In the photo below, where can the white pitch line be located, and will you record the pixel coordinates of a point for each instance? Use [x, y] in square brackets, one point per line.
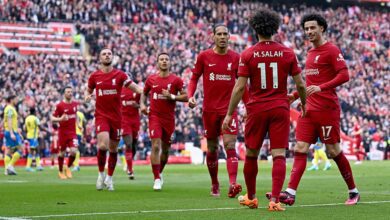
[12, 218]
[178, 210]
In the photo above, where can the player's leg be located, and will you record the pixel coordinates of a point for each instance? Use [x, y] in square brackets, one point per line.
[338, 156]
[279, 130]
[166, 139]
[7, 159]
[322, 155]
[76, 163]
[103, 139]
[306, 133]
[315, 160]
[212, 131]
[16, 146]
[121, 153]
[156, 162]
[254, 136]
[112, 159]
[73, 147]
[61, 157]
[31, 153]
[128, 149]
[229, 142]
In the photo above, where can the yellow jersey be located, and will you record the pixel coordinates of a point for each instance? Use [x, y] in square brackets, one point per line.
[79, 123]
[32, 126]
[10, 114]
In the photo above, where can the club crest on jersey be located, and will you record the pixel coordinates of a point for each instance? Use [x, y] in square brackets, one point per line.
[169, 86]
[212, 77]
[316, 59]
[229, 67]
[113, 82]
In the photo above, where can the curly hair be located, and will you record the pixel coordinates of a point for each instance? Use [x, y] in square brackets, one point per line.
[265, 22]
[314, 17]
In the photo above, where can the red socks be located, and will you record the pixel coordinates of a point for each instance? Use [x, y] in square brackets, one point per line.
[345, 170]
[156, 171]
[299, 166]
[278, 176]
[250, 174]
[70, 160]
[212, 165]
[129, 159]
[112, 159]
[101, 158]
[60, 163]
[232, 165]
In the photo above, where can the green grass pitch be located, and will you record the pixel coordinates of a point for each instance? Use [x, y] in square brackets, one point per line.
[185, 195]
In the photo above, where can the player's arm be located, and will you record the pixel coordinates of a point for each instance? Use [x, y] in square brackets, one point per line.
[196, 74]
[135, 88]
[342, 77]
[301, 90]
[144, 95]
[142, 102]
[237, 93]
[88, 94]
[55, 116]
[182, 97]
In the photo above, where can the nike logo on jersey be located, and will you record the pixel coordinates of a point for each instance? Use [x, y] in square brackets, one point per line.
[154, 86]
[122, 95]
[66, 110]
[212, 64]
[99, 83]
[325, 139]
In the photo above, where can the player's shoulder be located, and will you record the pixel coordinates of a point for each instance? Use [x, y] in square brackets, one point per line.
[248, 52]
[233, 53]
[175, 77]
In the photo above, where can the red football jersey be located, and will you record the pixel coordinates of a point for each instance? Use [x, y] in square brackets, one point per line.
[356, 127]
[108, 91]
[219, 76]
[159, 105]
[322, 65]
[128, 97]
[267, 65]
[68, 127]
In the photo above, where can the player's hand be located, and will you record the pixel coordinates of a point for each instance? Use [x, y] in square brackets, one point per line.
[303, 110]
[144, 110]
[291, 98]
[13, 137]
[64, 117]
[88, 98]
[192, 102]
[245, 115]
[226, 122]
[166, 94]
[312, 89]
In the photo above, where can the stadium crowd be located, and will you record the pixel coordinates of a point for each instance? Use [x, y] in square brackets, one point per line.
[138, 30]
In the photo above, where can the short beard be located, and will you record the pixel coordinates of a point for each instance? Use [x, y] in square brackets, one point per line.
[107, 64]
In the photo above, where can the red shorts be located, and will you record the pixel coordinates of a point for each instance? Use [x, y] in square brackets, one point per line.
[275, 122]
[130, 127]
[104, 124]
[212, 123]
[358, 143]
[161, 128]
[54, 150]
[67, 141]
[319, 124]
